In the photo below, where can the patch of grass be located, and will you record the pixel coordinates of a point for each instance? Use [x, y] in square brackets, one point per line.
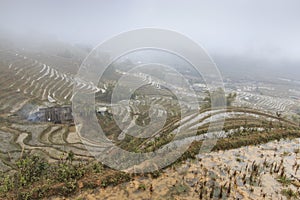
[284, 180]
[115, 178]
[289, 193]
[142, 187]
[238, 141]
[178, 189]
[35, 178]
[155, 174]
[285, 153]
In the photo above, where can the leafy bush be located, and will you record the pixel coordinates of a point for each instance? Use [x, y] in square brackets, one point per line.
[30, 169]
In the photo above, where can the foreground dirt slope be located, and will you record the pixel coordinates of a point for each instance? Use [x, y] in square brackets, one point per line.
[268, 171]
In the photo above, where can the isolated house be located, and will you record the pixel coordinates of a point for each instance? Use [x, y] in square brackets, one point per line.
[56, 114]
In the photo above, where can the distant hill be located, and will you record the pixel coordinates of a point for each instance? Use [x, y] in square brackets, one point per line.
[240, 67]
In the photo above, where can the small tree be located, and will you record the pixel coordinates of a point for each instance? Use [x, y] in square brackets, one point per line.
[70, 156]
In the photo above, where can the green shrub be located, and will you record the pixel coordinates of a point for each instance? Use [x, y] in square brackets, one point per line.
[30, 169]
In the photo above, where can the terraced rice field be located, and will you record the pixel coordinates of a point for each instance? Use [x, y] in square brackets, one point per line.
[27, 84]
[263, 102]
[26, 76]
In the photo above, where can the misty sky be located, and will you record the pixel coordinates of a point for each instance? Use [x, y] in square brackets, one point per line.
[269, 28]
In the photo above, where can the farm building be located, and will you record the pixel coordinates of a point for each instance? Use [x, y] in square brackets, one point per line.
[56, 114]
